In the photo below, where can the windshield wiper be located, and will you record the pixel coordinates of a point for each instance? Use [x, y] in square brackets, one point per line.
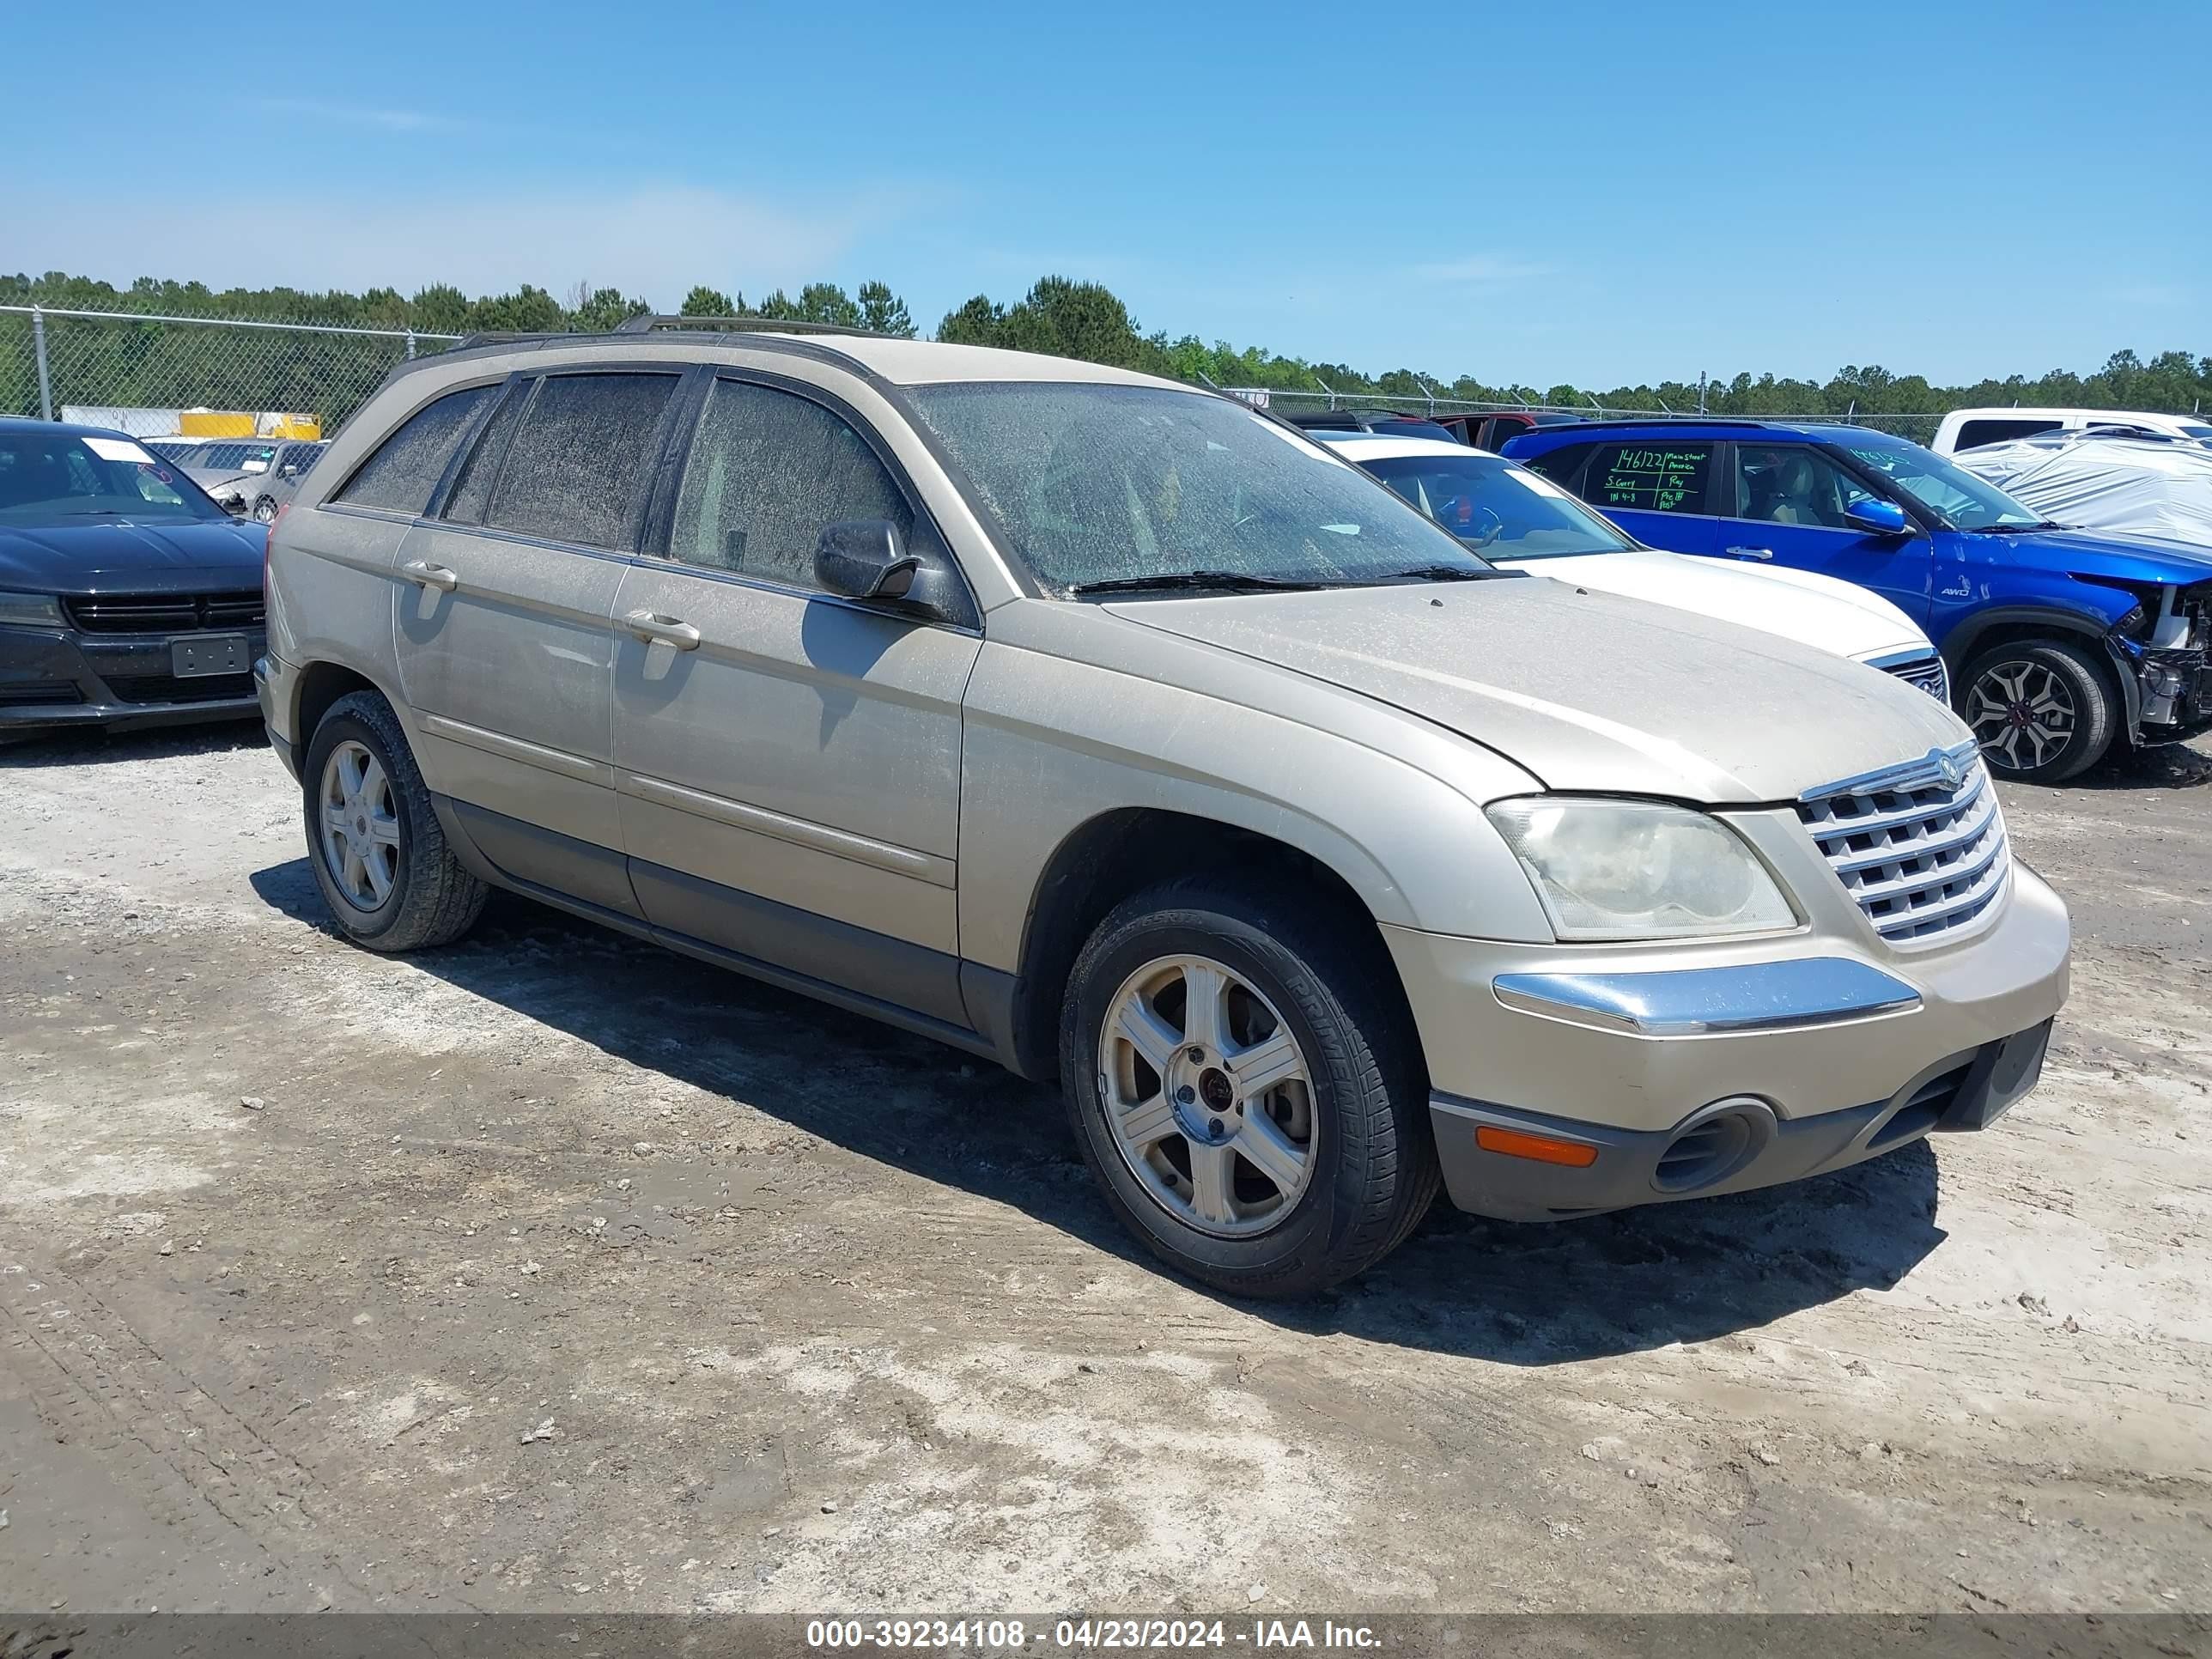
[1444, 573]
[2017, 529]
[1232, 581]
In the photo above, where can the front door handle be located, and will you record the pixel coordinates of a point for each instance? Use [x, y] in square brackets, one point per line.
[424, 574]
[1751, 552]
[663, 630]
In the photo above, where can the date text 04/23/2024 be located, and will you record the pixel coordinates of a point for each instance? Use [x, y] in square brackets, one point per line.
[1137, 1635]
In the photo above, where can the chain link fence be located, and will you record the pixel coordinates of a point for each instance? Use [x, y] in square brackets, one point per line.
[140, 371]
[1300, 402]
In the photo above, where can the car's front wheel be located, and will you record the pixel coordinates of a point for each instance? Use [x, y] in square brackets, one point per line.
[1251, 1103]
[265, 510]
[373, 835]
[2042, 710]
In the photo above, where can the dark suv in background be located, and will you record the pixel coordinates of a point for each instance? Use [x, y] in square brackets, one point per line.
[2059, 642]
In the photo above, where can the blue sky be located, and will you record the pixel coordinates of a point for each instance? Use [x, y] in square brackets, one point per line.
[1529, 193]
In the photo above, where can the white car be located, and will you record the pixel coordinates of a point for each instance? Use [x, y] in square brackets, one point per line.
[1971, 428]
[1522, 520]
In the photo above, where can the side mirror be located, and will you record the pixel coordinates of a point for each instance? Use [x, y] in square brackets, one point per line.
[1878, 519]
[869, 559]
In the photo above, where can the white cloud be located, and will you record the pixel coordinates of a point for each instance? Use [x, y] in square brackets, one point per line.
[358, 115]
[655, 242]
[1480, 268]
[2160, 295]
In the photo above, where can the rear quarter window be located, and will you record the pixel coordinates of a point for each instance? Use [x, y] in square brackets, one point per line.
[1561, 465]
[400, 472]
[1974, 434]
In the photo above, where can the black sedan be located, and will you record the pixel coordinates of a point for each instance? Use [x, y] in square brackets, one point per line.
[127, 598]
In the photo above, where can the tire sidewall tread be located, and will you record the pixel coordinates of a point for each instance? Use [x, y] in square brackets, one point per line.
[437, 899]
[1380, 1172]
[2096, 698]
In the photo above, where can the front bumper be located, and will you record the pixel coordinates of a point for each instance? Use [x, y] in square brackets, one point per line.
[57, 678]
[1684, 1072]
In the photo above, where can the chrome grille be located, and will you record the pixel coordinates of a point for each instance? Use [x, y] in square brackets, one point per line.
[1920, 846]
[1927, 674]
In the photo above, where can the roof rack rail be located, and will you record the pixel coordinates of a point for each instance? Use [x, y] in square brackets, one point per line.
[648, 323]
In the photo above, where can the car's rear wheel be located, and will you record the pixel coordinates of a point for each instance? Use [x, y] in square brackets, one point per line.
[1252, 1104]
[2042, 710]
[373, 840]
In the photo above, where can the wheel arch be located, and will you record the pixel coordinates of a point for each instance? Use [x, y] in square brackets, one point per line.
[2013, 625]
[1116, 854]
[320, 686]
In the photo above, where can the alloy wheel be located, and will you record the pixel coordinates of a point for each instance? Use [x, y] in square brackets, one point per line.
[1209, 1096]
[360, 826]
[2023, 714]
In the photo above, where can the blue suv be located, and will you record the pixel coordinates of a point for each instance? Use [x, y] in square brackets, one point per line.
[2059, 642]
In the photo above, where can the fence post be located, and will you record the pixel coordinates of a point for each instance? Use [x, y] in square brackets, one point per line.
[410, 345]
[39, 350]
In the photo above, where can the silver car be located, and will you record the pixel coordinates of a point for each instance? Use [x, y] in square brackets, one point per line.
[250, 477]
[1116, 731]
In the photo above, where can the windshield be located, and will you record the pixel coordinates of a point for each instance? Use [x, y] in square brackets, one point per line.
[1953, 494]
[1507, 511]
[46, 476]
[1115, 484]
[2202, 434]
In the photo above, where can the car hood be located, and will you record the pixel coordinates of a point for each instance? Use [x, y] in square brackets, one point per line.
[1799, 604]
[94, 555]
[2122, 558]
[1584, 689]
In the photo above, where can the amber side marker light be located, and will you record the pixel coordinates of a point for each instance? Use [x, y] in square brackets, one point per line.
[1517, 1143]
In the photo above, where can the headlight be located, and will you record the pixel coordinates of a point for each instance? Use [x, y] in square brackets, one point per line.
[30, 611]
[1632, 869]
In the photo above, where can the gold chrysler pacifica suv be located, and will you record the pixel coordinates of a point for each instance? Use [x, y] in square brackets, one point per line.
[1117, 731]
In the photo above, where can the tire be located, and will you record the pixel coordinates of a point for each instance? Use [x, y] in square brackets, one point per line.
[265, 510]
[427, 898]
[1369, 1165]
[2043, 710]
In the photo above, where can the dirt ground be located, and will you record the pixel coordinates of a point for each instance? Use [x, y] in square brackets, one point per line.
[555, 1273]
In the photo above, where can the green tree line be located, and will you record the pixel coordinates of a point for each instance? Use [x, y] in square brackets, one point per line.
[168, 365]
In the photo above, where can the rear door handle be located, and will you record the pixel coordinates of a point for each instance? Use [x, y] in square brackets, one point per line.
[664, 630]
[1751, 552]
[424, 574]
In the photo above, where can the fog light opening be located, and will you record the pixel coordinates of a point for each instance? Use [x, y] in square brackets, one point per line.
[1713, 1148]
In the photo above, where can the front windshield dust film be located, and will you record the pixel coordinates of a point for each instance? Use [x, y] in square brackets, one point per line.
[1095, 484]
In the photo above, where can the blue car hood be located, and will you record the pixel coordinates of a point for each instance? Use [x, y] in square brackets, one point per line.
[2122, 558]
[102, 555]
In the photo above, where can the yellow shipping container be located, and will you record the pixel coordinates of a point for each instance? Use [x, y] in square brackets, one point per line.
[236, 423]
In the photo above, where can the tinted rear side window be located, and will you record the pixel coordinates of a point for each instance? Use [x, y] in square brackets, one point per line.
[581, 454]
[1559, 465]
[1650, 476]
[406, 466]
[1975, 433]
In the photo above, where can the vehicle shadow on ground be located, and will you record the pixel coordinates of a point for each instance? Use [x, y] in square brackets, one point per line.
[98, 747]
[1518, 1294]
[2159, 766]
